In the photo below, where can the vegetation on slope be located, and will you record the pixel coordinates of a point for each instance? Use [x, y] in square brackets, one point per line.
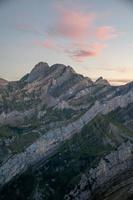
[62, 171]
[58, 175]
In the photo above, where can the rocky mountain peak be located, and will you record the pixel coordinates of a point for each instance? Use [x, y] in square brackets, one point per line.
[40, 70]
[70, 69]
[101, 81]
[60, 67]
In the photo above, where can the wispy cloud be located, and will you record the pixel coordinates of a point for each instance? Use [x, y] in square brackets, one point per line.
[84, 52]
[106, 33]
[72, 24]
[82, 39]
[79, 27]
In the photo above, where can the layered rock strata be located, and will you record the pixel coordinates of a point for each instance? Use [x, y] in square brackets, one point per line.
[97, 179]
[51, 139]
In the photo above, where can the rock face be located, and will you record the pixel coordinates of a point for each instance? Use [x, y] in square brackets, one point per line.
[109, 167]
[40, 70]
[53, 138]
[48, 107]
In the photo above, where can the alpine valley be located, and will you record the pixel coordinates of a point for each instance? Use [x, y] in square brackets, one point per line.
[65, 137]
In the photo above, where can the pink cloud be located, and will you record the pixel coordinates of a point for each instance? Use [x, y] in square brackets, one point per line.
[106, 33]
[73, 24]
[79, 28]
[83, 53]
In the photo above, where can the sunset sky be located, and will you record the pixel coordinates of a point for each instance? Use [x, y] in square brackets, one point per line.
[95, 37]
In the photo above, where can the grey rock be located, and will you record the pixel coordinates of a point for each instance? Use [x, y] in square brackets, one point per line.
[113, 164]
[56, 87]
[40, 70]
[101, 81]
[48, 142]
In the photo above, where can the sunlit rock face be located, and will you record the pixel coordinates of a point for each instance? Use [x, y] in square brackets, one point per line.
[55, 125]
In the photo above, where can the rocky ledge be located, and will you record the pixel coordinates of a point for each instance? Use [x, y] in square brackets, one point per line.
[98, 179]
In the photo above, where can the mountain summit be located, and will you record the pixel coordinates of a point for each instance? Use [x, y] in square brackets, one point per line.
[40, 70]
[101, 81]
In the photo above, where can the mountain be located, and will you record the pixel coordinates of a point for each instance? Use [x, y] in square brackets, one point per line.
[63, 136]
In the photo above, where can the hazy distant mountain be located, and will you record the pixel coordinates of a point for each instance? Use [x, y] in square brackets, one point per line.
[55, 125]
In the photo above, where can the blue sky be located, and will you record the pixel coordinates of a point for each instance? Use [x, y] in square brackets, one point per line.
[93, 36]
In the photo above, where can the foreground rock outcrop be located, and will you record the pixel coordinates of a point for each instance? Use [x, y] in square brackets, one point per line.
[97, 179]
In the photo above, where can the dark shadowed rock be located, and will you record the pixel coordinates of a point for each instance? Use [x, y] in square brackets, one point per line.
[101, 81]
[24, 78]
